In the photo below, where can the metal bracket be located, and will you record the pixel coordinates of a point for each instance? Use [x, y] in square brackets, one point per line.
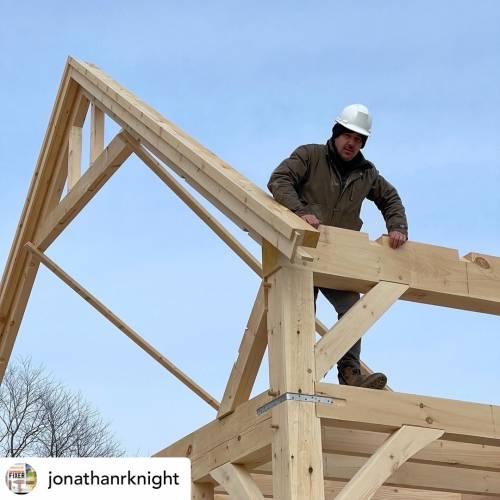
[294, 396]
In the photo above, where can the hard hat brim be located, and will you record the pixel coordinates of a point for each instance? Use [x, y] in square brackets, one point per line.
[354, 128]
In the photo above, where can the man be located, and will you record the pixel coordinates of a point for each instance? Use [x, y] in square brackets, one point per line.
[327, 184]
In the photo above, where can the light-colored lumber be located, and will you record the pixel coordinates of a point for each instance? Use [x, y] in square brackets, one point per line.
[414, 475]
[387, 411]
[333, 488]
[348, 260]
[483, 275]
[297, 461]
[242, 437]
[357, 442]
[83, 191]
[96, 133]
[250, 354]
[192, 161]
[202, 491]
[74, 156]
[129, 332]
[20, 273]
[194, 205]
[237, 482]
[352, 326]
[421, 475]
[402, 445]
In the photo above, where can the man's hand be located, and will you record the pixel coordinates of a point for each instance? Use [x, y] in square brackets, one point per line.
[396, 239]
[311, 219]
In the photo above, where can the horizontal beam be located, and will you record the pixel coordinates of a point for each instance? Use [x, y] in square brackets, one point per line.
[387, 411]
[242, 437]
[357, 442]
[348, 260]
[83, 191]
[129, 332]
[413, 475]
[416, 475]
[333, 488]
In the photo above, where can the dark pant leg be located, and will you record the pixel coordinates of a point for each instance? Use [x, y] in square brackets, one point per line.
[342, 301]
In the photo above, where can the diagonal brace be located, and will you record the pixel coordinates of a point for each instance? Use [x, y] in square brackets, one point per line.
[354, 324]
[251, 352]
[398, 448]
[129, 332]
[236, 480]
[83, 191]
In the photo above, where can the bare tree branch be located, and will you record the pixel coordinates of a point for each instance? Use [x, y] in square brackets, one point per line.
[40, 417]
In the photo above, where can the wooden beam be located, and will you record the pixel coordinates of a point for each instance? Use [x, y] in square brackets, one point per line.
[366, 409]
[402, 445]
[348, 260]
[297, 462]
[414, 475]
[129, 332]
[353, 325]
[20, 273]
[84, 190]
[421, 475]
[236, 480]
[357, 442]
[192, 161]
[74, 156]
[194, 205]
[250, 354]
[96, 133]
[333, 488]
[242, 437]
[202, 491]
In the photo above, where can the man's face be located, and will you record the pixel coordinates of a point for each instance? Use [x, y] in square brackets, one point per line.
[348, 145]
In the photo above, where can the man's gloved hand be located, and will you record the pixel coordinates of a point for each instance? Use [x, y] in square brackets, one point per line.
[311, 219]
[396, 239]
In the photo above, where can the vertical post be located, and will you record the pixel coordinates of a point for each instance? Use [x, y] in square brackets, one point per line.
[96, 133]
[74, 156]
[297, 451]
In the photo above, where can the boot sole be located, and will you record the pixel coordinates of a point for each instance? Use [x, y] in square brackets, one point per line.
[375, 381]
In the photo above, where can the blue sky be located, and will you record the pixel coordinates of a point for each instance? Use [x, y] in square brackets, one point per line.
[251, 81]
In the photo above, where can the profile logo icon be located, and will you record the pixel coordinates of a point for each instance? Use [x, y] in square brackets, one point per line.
[21, 479]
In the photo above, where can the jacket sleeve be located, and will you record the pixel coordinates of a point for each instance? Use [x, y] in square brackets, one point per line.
[286, 179]
[387, 199]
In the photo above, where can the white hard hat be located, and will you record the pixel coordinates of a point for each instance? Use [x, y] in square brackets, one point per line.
[357, 118]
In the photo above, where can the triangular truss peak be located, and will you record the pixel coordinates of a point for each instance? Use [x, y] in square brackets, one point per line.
[302, 439]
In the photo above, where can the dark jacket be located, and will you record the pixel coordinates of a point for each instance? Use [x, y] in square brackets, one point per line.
[309, 183]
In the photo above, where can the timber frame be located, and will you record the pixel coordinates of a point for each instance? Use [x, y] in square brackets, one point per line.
[302, 439]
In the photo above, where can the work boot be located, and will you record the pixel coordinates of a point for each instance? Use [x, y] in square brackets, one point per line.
[352, 376]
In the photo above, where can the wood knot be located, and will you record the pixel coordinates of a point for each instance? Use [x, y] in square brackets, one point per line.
[482, 262]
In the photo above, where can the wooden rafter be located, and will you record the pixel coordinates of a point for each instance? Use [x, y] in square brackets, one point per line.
[242, 200]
